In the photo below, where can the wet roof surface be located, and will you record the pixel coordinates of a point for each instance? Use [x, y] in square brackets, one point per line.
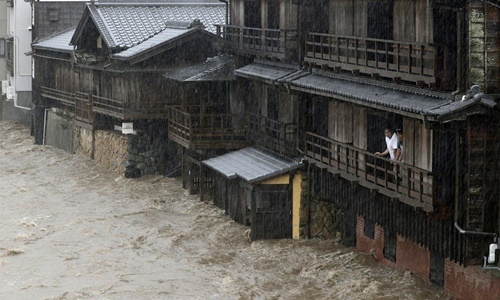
[264, 71]
[58, 42]
[124, 26]
[251, 164]
[213, 69]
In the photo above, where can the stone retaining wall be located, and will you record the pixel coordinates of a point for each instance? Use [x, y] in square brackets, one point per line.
[318, 217]
[148, 152]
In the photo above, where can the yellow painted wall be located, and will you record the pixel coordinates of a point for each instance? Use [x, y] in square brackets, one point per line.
[284, 179]
[297, 191]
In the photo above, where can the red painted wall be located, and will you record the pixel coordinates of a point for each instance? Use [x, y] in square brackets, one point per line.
[461, 283]
[470, 283]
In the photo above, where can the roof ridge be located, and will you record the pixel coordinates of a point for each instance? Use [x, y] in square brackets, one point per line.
[108, 37]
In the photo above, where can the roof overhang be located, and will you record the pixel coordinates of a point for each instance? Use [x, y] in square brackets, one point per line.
[268, 73]
[251, 164]
[406, 101]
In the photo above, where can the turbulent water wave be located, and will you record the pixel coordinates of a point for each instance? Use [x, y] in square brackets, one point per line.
[71, 230]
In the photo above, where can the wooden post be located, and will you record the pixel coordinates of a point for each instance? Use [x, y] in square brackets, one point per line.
[202, 182]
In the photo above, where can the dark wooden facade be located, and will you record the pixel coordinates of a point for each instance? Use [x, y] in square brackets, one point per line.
[446, 179]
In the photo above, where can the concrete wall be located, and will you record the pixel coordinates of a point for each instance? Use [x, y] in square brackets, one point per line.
[59, 131]
[11, 113]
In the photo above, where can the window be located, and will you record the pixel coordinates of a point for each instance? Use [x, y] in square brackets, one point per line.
[53, 14]
[2, 47]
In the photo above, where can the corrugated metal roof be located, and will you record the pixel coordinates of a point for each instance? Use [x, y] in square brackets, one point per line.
[219, 68]
[124, 26]
[251, 164]
[267, 72]
[57, 42]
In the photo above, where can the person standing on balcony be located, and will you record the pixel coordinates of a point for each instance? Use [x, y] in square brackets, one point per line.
[391, 141]
[399, 151]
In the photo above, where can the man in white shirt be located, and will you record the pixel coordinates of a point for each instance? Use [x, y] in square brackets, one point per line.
[391, 140]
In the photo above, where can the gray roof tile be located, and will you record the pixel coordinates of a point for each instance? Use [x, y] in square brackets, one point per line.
[124, 26]
[57, 42]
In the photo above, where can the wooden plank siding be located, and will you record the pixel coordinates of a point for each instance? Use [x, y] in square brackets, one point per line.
[439, 236]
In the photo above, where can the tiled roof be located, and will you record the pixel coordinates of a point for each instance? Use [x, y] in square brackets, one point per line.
[123, 26]
[57, 42]
[418, 102]
[251, 164]
[369, 94]
[158, 39]
[213, 69]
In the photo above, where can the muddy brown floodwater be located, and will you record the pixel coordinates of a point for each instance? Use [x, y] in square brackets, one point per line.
[71, 230]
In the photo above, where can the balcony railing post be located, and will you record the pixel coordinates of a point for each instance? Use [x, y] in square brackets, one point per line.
[422, 59]
[410, 49]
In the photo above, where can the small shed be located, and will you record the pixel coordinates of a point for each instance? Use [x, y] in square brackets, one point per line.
[257, 188]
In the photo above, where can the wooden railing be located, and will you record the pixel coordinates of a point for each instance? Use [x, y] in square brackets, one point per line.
[409, 61]
[410, 184]
[195, 130]
[271, 43]
[129, 110]
[271, 134]
[62, 98]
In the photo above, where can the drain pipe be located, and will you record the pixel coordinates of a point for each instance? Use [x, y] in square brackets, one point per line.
[19, 106]
[227, 10]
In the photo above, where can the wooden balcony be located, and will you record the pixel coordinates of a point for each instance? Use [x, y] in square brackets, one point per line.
[129, 110]
[269, 43]
[192, 129]
[271, 134]
[60, 98]
[407, 61]
[408, 184]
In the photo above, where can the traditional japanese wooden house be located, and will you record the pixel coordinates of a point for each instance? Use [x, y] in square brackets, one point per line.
[428, 68]
[264, 44]
[107, 73]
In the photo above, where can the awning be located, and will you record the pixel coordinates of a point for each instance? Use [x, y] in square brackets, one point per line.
[219, 68]
[269, 73]
[251, 164]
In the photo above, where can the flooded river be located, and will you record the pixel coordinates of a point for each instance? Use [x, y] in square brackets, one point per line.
[71, 230]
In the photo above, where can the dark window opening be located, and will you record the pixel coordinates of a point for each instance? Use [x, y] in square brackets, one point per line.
[53, 14]
[273, 14]
[369, 230]
[2, 47]
[436, 274]
[252, 14]
[389, 245]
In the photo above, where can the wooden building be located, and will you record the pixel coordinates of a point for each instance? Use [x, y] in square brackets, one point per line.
[108, 72]
[293, 98]
[342, 72]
